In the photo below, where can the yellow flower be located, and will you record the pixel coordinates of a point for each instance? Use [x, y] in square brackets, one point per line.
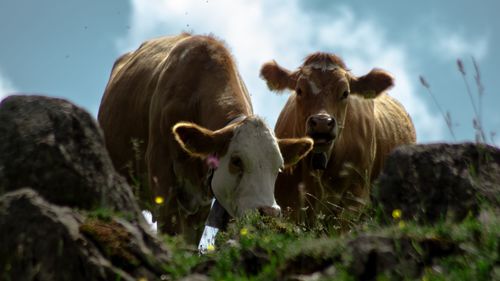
[396, 214]
[401, 224]
[210, 248]
[243, 231]
[159, 200]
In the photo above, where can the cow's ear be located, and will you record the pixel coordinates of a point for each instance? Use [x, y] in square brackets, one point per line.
[293, 150]
[372, 84]
[277, 77]
[201, 142]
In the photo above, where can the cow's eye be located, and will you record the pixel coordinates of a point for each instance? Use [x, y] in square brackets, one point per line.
[235, 165]
[345, 94]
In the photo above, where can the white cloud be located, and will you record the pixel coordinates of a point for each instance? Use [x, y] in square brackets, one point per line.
[453, 45]
[258, 31]
[6, 87]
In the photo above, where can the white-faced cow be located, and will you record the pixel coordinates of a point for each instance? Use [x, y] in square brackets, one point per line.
[354, 125]
[182, 100]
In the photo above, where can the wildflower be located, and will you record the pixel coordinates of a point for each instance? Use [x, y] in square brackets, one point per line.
[210, 248]
[212, 161]
[159, 200]
[396, 214]
[243, 231]
[401, 224]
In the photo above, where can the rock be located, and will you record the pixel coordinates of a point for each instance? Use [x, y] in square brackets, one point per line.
[57, 149]
[41, 241]
[374, 255]
[366, 256]
[432, 182]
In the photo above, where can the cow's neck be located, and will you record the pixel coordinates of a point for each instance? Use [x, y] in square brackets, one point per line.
[354, 149]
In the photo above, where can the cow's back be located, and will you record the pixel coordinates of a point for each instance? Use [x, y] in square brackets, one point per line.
[393, 127]
[124, 110]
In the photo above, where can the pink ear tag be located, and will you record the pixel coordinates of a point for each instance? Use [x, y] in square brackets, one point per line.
[212, 162]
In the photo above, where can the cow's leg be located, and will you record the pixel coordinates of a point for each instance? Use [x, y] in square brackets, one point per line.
[289, 193]
[162, 183]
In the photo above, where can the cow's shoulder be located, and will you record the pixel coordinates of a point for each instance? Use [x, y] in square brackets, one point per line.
[394, 124]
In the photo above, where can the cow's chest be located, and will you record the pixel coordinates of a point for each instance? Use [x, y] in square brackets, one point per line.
[333, 184]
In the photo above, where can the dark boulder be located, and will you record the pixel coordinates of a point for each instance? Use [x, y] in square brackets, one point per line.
[65, 214]
[403, 257]
[433, 182]
[42, 241]
[57, 149]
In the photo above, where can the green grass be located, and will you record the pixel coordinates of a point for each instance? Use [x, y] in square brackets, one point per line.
[262, 248]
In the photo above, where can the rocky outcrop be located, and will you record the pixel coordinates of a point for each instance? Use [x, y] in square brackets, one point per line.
[65, 214]
[42, 241]
[57, 149]
[432, 182]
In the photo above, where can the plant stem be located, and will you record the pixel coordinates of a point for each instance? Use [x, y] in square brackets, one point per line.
[446, 118]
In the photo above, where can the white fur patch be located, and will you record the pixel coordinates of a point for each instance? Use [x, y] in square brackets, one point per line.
[256, 146]
[315, 90]
[149, 219]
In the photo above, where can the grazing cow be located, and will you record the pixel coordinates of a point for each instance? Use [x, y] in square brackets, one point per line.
[354, 125]
[182, 100]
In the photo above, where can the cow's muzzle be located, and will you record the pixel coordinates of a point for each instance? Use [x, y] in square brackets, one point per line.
[322, 129]
[273, 211]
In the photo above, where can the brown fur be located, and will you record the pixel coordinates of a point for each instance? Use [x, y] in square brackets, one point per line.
[324, 57]
[175, 95]
[165, 81]
[373, 84]
[294, 149]
[200, 142]
[373, 124]
[277, 78]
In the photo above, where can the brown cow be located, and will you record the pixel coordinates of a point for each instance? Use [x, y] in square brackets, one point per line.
[182, 98]
[354, 125]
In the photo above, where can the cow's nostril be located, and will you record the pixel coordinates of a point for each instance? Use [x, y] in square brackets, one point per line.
[312, 123]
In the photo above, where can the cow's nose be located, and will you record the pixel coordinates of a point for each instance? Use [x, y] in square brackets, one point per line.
[273, 211]
[321, 123]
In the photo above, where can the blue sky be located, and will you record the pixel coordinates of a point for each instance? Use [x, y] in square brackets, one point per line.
[66, 48]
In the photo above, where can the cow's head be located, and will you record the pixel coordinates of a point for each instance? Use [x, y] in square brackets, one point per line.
[323, 87]
[250, 158]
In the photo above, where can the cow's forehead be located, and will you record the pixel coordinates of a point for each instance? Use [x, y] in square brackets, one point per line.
[254, 138]
[321, 65]
[323, 74]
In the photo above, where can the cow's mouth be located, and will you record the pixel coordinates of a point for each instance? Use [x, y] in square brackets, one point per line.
[322, 140]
